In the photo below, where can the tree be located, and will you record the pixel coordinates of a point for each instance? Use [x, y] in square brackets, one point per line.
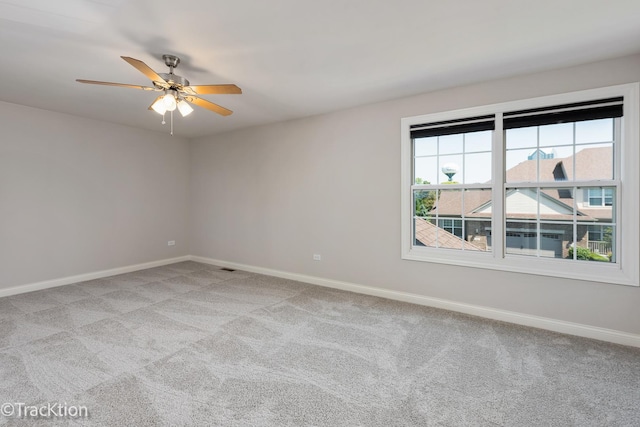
[424, 199]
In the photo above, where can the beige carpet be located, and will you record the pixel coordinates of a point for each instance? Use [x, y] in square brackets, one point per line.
[190, 344]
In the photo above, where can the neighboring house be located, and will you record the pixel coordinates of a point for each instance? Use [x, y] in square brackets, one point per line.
[542, 155]
[593, 205]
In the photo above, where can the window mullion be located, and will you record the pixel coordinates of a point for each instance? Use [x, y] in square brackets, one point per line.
[573, 161]
[498, 189]
[617, 174]
[575, 221]
[538, 225]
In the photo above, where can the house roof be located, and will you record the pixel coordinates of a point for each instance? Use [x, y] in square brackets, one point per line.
[428, 234]
[592, 164]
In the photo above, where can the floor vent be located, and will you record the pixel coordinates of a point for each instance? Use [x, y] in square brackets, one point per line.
[227, 269]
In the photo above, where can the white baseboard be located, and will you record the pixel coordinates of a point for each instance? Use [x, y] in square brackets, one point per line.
[88, 276]
[561, 326]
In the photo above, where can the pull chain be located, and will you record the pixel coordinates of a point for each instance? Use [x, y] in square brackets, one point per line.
[172, 123]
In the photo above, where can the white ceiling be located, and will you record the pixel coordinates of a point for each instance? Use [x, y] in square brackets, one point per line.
[292, 58]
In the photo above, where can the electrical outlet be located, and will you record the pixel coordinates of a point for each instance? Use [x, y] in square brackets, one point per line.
[317, 257]
[171, 243]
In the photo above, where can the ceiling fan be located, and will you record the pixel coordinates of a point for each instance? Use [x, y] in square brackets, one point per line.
[176, 90]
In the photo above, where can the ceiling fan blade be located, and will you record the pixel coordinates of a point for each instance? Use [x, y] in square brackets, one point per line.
[216, 89]
[94, 82]
[208, 105]
[144, 69]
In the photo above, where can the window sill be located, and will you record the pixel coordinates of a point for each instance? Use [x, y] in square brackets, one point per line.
[590, 271]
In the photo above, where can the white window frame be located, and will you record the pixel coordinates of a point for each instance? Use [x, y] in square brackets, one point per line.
[626, 158]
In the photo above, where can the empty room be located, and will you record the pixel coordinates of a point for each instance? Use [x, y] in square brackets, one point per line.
[337, 213]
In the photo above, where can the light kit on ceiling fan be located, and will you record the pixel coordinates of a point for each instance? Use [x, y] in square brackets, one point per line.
[169, 100]
[177, 92]
[158, 106]
[184, 108]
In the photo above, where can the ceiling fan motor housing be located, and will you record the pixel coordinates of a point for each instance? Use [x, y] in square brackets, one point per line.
[174, 80]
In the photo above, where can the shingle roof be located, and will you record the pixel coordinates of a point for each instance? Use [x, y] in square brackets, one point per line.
[450, 201]
[593, 163]
[428, 233]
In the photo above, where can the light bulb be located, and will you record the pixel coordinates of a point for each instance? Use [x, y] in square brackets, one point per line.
[158, 106]
[184, 108]
[169, 102]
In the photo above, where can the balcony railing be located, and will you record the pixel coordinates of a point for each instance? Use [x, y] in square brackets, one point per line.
[599, 247]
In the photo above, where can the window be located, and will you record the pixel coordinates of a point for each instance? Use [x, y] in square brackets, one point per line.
[453, 226]
[449, 172]
[600, 197]
[534, 186]
[596, 233]
[575, 145]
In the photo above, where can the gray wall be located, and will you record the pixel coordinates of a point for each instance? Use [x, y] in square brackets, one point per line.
[80, 196]
[273, 195]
